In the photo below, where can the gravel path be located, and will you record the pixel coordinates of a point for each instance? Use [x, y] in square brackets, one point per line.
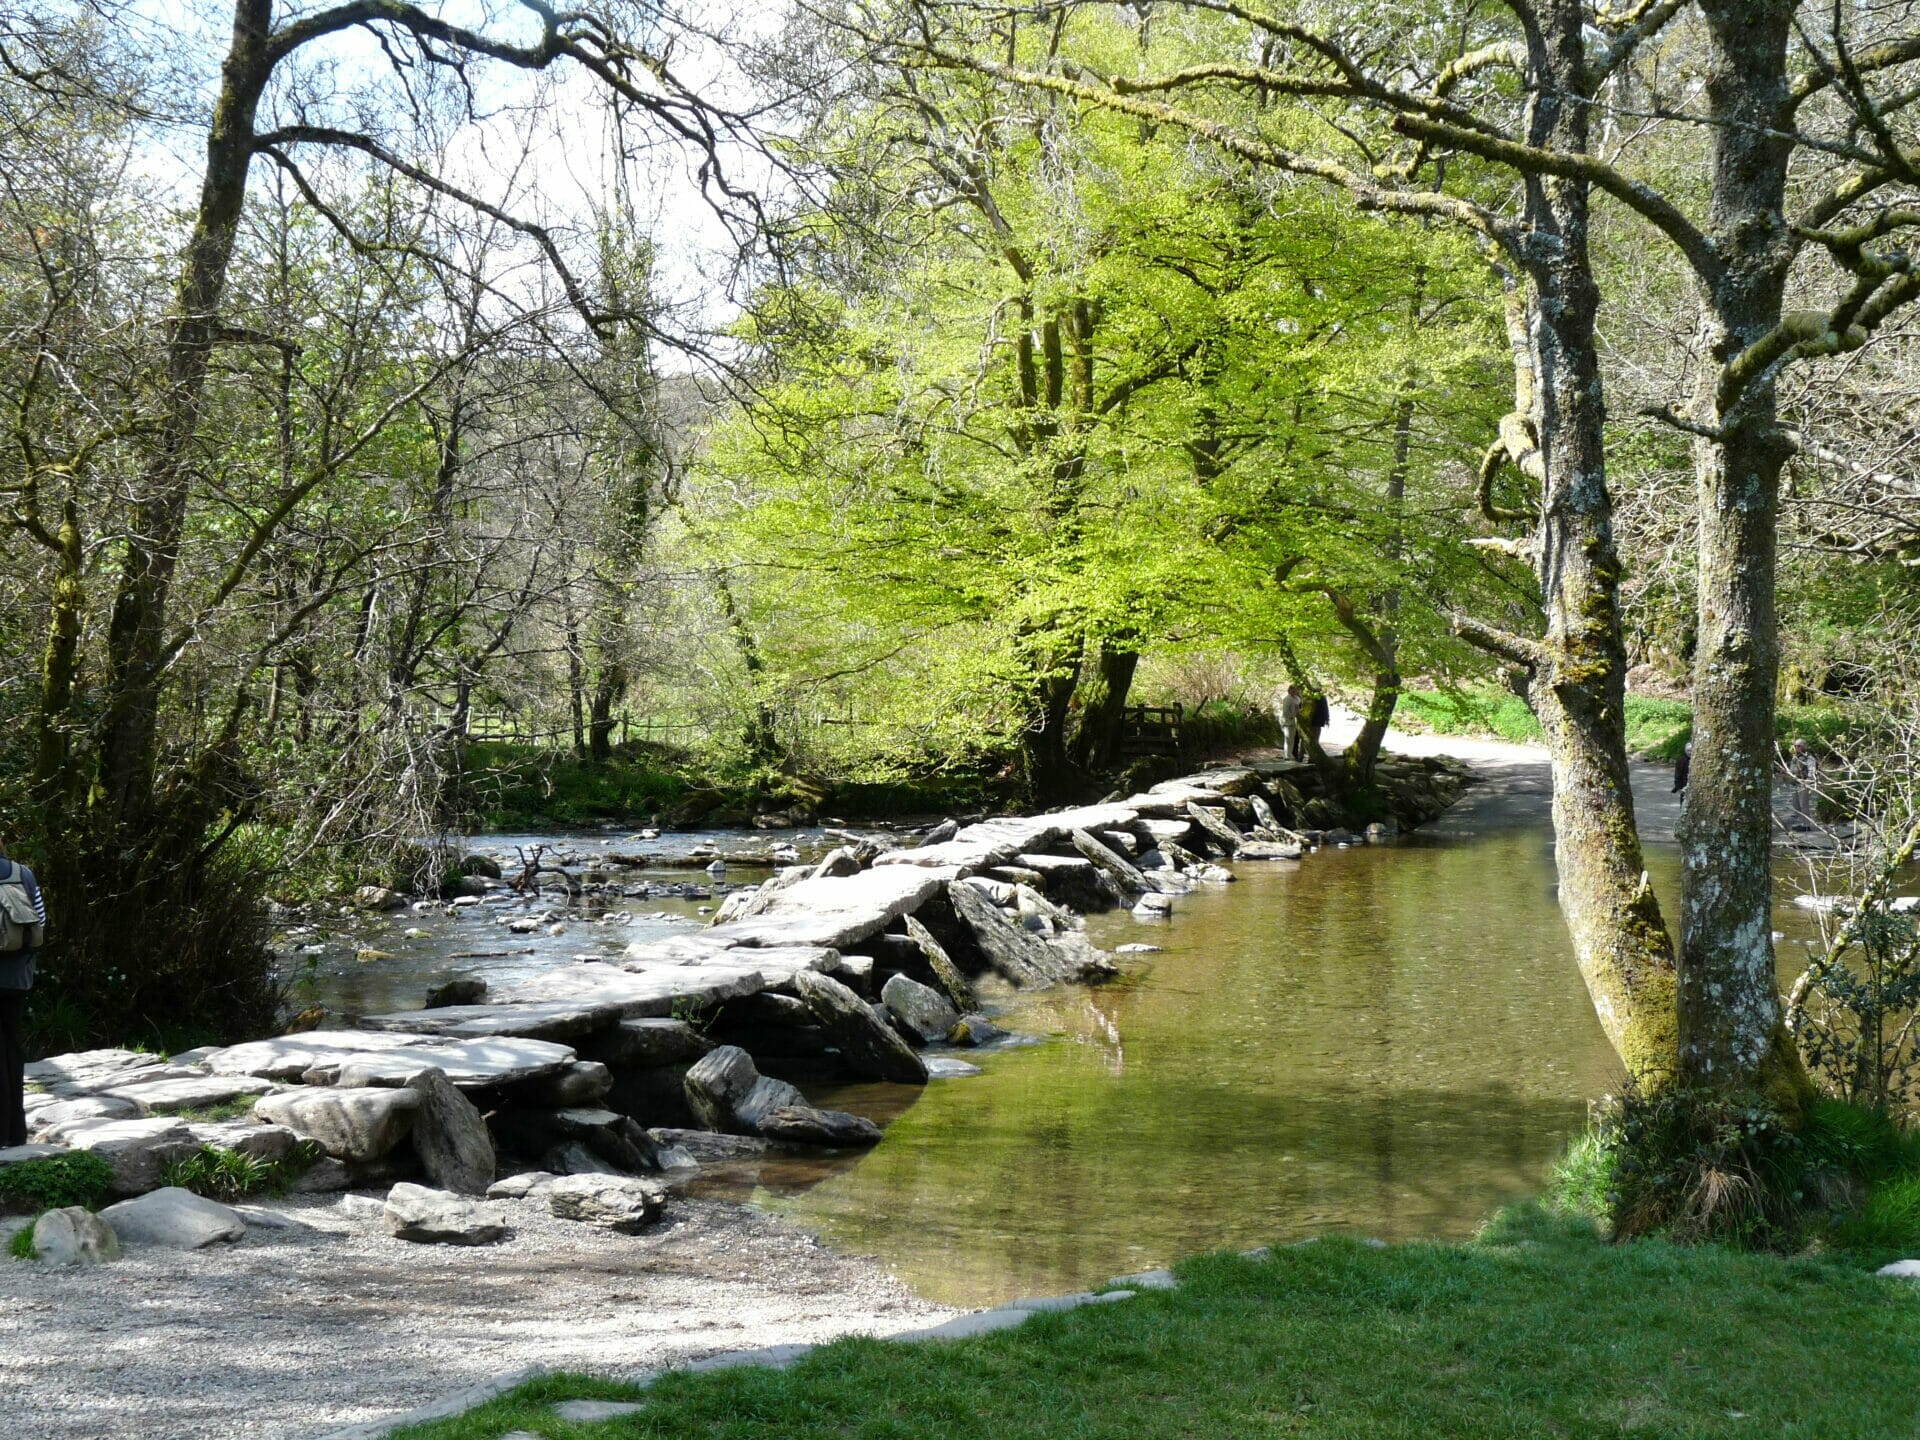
[292, 1333]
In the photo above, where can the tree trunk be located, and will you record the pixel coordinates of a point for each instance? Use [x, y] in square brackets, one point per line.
[1577, 673]
[136, 633]
[1051, 772]
[1730, 1028]
[1103, 696]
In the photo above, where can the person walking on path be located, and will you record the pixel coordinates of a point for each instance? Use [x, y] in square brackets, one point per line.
[1289, 709]
[23, 927]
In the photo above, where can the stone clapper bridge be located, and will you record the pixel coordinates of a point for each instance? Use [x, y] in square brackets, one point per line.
[578, 1083]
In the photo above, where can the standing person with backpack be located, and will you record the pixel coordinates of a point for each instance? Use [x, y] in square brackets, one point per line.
[23, 928]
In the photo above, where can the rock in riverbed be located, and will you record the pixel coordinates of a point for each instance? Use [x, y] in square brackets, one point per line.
[436, 1217]
[173, 1219]
[728, 1094]
[613, 1202]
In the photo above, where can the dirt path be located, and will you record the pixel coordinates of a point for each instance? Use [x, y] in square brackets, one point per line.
[293, 1333]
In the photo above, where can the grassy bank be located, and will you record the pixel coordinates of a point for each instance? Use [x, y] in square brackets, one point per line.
[1656, 729]
[1538, 1329]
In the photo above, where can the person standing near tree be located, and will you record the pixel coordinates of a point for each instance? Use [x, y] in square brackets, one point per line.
[1289, 711]
[23, 928]
[1318, 714]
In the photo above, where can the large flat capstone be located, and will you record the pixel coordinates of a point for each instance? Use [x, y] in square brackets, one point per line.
[375, 1057]
[837, 911]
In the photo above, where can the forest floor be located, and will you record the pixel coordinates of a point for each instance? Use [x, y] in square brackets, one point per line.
[1538, 1329]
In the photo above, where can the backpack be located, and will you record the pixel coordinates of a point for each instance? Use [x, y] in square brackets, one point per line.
[20, 927]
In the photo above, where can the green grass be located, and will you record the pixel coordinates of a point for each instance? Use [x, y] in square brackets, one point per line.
[1656, 729]
[20, 1247]
[1539, 1331]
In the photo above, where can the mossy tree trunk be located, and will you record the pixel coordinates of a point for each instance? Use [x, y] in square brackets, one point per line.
[1731, 1031]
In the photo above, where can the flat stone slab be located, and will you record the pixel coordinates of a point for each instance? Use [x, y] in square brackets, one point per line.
[525, 1020]
[588, 1412]
[288, 1057]
[375, 1057]
[838, 911]
[187, 1092]
[965, 1327]
[637, 995]
[964, 857]
[88, 1068]
[20, 1154]
[487, 1061]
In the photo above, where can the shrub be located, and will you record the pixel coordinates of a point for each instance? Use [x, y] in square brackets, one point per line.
[77, 1178]
[1710, 1167]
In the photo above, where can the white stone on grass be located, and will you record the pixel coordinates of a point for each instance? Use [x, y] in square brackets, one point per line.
[1147, 1280]
[1900, 1270]
[173, 1219]
[587, 1412]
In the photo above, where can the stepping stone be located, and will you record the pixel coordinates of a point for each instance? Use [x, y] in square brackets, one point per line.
[288, 1057]
[88, 1068]
[527, 1019]
[839, 912]
[471, 1064]
[647, 993]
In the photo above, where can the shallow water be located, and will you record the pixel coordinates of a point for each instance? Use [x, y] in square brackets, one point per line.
[1386, 1041]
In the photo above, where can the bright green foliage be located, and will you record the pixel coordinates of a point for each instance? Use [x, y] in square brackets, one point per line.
[1099, 398]
[76, 1178]
[21, 1245]
[1547, 1332]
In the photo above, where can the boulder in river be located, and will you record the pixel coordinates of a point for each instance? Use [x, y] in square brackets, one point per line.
[869, 1047]
[377, 898]
[1020, 956]
[920, 1008]
[958, 991]
[728, 1094]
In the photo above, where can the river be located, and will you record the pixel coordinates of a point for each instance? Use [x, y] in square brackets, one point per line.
[1387, 1040]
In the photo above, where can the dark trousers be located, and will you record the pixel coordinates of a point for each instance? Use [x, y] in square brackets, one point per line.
[13, 1068]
